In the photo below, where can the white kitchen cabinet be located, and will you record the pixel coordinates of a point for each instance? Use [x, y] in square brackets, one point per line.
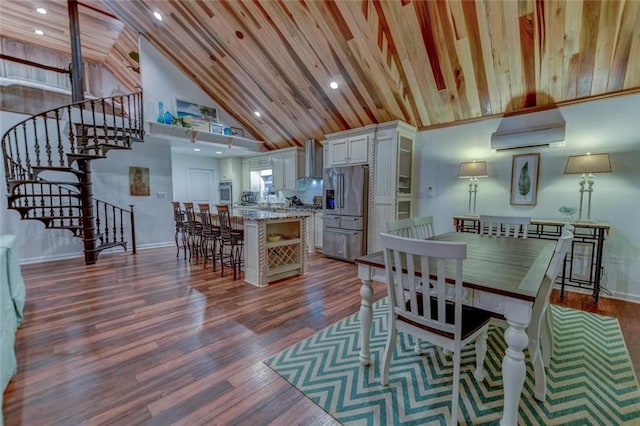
[318, 224]
[392, 176]
[246, 174]
[288, 166]
[311, 231]
[226, 169]
[350, 147]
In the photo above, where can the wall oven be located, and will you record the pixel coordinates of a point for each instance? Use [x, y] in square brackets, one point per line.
[225, 193]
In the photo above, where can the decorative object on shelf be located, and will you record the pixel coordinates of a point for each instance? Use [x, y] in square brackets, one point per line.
[139, 181]
[180, 121]
[586, 165]
[217, 128]
[236, 131]
[168, 118]
[227, 131]
[160, 118]
[567, 213]
[524, 179]
[135, 56]
[473, 170]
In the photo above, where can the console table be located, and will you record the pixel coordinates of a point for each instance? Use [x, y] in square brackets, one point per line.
[588, 237]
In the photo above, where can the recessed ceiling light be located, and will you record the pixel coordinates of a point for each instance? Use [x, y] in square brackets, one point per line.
[256, 113]
[218, 152]
[41, 10]
[333, 85]
[196, 149]
[39, 32]
[158, 16]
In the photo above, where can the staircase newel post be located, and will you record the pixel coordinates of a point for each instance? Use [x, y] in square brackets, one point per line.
[88, 227]
[133, 230]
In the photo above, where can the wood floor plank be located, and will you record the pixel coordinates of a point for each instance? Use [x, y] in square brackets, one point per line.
[154, 339]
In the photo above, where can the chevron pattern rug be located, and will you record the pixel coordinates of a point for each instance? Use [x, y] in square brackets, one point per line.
[590, 379]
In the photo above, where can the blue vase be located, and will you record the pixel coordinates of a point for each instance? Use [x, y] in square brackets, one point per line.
[160, 118]
[168, 118]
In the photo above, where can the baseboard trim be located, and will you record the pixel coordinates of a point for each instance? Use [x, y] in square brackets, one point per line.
[627, 297]
[44, 259]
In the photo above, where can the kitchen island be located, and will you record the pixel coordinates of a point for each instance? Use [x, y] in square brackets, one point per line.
[274, 244]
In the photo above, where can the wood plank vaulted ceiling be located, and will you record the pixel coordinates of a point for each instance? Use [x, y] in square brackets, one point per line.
[428, 63]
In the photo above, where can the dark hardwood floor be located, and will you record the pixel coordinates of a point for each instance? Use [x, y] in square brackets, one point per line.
[153, 339]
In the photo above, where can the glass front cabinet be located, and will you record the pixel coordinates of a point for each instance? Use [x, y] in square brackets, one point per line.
[393, 177]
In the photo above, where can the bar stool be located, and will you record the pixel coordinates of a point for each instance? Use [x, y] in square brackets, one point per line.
[180, 228]
[210, 234]
[231, 242]
[194, 234]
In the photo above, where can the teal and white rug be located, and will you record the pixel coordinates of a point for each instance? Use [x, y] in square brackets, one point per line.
[590, 380]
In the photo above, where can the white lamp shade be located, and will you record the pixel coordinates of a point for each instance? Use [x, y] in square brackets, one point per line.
[590, 163]
[473, 169]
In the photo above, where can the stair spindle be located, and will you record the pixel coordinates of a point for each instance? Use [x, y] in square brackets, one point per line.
[47, 146]
[36, 145]
[60, 140]
[71, 136]
[114, 229]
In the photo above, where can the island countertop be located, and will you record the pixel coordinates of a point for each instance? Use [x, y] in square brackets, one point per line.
[259, 215]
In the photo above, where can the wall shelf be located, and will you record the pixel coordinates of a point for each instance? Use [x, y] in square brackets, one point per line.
[172, 133]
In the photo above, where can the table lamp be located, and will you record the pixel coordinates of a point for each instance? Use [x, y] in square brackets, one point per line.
[586, 165]
[473, 170]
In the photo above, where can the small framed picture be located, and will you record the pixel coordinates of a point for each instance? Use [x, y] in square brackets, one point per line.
[139, 181]
[217, 128]
[236, 131]
[524, 179]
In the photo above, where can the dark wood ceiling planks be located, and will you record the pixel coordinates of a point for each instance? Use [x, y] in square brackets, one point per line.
[428, 63]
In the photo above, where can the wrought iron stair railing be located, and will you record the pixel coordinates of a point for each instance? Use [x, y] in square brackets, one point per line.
[47, 168]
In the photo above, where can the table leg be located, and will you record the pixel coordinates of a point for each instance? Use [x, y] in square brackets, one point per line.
[518, 315]
[366, 314]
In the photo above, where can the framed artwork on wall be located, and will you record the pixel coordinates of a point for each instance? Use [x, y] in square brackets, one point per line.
[139, 181]
[198, 116]
[524, 179]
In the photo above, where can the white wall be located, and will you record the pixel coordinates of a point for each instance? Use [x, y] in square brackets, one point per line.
[163, 82]
[610, 125]
[180, 165]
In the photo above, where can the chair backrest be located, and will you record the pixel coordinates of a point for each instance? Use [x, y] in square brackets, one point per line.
[401, 228]
[423, 227]
[562, 247]
[191, 214]
[205, 217]
[429, 258]
[224, 218]
[544, 294]
[178, 214]
[508, 226]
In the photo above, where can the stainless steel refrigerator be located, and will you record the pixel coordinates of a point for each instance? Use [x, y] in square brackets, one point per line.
[346, 195]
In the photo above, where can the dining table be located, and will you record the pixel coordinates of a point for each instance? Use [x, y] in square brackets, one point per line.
[501, 275]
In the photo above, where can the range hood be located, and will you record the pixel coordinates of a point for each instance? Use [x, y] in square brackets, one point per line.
[312, 160]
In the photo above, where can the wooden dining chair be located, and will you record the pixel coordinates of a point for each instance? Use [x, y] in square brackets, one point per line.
[423, 227]
[181, 228]
[445, 323]
[210, 234]
[401, 228]
[508, 226]
[540, 328]
[194, 230]
[231, 242]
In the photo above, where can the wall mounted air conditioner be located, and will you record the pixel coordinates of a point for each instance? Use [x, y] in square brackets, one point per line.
[540, 137]
[539, 129]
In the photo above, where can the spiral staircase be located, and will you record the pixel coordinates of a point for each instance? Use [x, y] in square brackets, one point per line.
[47, 161]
